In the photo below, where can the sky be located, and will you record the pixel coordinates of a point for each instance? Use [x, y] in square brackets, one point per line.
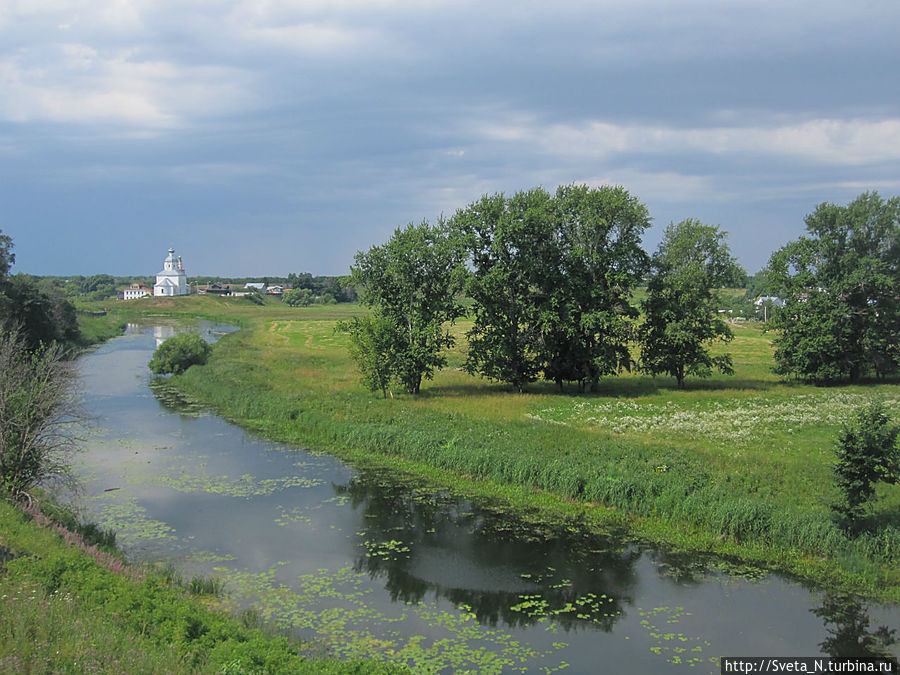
[274, 136]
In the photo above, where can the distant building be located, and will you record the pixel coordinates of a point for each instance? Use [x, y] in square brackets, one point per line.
[773, 300]
[136, 291]
[216, 289]
[255, 285]
[172, 280]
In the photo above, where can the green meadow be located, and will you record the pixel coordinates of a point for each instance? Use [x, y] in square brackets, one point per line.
[738, 467]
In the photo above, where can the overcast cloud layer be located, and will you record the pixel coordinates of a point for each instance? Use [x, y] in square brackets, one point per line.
[281, 136]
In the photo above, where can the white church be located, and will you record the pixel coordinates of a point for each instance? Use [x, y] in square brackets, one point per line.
[172, 280]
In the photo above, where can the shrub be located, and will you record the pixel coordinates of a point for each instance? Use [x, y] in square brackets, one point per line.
[36, 411]
[179, 353]
[867, 452]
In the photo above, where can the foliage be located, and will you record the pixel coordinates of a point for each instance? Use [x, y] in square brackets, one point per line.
[339, 288]
[298, 297]
[758, 284]
[841, 285]
[551, 280]
[867, 453]
[36, 413]
[586, 299]
[413, 281]
[680, 319]
[39, 316]
[179, 353]
[98, 287]
[372, 347]
[7, 257]
[501, 234]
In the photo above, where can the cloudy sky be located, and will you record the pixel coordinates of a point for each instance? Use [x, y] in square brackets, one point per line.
[275, 136]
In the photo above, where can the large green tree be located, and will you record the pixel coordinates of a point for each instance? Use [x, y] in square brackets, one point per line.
[413, 282]
[586, 318]
[510, 241]
[551, 280]
[680, 311]
[841, 287]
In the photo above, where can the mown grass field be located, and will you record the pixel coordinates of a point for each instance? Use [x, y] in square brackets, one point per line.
[739, 466]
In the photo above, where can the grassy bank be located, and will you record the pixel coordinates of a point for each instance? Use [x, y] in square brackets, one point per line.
[69, 605]
[738, 466]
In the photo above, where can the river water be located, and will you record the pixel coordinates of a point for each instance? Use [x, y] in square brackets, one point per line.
[365, 564]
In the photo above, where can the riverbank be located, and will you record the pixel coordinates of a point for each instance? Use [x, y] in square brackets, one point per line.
[69, 603]
[737, 467]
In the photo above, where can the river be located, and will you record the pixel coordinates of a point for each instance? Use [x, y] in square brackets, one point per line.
[360, 563]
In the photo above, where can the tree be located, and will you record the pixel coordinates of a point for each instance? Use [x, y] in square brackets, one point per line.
[179, 353]
[507, 241]
[680, 312]
[297, 297]
[7, 257]
[412, 282]
[372, 348]
[37, 411]
[98, 287]
[551, 279]
[841, 287]
[38, 316]
[867, 453]
[598, 234]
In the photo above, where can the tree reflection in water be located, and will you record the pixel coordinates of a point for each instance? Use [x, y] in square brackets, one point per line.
[488, 559]
[847, 623]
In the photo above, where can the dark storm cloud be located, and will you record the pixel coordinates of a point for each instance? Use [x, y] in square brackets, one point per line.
[278, 136]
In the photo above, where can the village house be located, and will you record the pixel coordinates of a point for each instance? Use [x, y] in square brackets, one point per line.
[137, 291]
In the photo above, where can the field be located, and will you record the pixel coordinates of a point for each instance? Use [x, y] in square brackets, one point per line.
[739, 466]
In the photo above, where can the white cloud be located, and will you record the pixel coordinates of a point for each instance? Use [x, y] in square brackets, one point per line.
[310, 37]
[78, 83]
[833, 141]
[667, 186]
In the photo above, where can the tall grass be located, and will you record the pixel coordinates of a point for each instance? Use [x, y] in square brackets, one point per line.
[63, 608]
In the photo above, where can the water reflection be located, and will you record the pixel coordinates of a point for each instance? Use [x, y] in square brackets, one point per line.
[507, 570]
[847, 626]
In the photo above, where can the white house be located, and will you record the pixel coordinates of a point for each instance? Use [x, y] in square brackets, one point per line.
[136, 291]
[172, 280]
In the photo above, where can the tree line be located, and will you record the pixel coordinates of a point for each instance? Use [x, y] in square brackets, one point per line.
[37, 407]
[38, 312]
[549, 280]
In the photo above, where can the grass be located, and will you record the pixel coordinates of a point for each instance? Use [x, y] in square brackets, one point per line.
[738, 466]
[69, 606]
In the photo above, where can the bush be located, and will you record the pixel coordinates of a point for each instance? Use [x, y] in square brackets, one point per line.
[867, 452]
[297, 297]
[179, 353]
[36, 411]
